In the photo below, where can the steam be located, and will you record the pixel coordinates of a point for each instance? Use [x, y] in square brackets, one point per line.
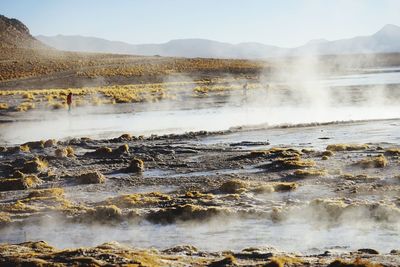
[317, 234]
[293, 91]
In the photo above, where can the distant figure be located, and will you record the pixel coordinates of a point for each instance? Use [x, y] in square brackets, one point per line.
[69, 101]
[245, 88]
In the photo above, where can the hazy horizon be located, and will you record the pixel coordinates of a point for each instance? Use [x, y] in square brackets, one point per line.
[280, 23]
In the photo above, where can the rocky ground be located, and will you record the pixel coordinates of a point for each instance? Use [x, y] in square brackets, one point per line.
[85, 181]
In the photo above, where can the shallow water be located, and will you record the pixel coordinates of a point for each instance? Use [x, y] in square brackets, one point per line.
[301, 104]
[236, 234]
[318, 137]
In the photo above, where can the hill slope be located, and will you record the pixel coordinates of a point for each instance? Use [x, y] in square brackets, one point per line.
[14, 34]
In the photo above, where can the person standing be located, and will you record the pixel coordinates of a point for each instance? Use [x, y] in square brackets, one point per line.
[245, 88]
[69, 101]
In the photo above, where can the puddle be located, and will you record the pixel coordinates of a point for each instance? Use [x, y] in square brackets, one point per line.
[246, 169]
[357, 132]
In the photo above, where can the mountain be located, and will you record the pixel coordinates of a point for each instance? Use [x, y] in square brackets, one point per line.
[174, 48]
[14, 34]
[384, 41]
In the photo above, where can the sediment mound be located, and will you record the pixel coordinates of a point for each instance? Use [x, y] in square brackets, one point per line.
[107, 152]
[135, 166]
[186, 212]
[94, 177]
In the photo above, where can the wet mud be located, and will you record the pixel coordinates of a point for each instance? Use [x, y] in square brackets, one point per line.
[233, 203]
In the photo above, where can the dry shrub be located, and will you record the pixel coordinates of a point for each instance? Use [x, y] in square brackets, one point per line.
[17, 207]
[4, 218]
[50, 143]
[356, 263]
[290, 163]
[70, 151]
[64, 152]
[61, 152]
[283, 187]
[373, 162]
[309, 173]
[126, 137]
[8, 184]
[274, 187]
[35, 165]
[94, 177]
[24, 148]
[279, 152]
[3, 106]
[25, 106]
[233, 187]
[186, 212]
[282, 261]
[138, 200]
[104, 213]
[50, 192]
[198, 195]
[346, 147]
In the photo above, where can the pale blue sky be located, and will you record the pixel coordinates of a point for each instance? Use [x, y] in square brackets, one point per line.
[285, 23]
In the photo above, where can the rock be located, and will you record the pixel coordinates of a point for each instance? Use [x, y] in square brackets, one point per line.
[64, 152]
[227, 261]
[50, 143]
[124, 149]
[182, 249]
[135, 166]
[368, 251]
[61, 152]
[101, 152]
[94, 177]
[35, 144]
[107, 152]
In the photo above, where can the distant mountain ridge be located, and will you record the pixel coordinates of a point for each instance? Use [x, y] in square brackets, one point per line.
[386, 40]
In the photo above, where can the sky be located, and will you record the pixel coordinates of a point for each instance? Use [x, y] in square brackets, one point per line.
[285, 23]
